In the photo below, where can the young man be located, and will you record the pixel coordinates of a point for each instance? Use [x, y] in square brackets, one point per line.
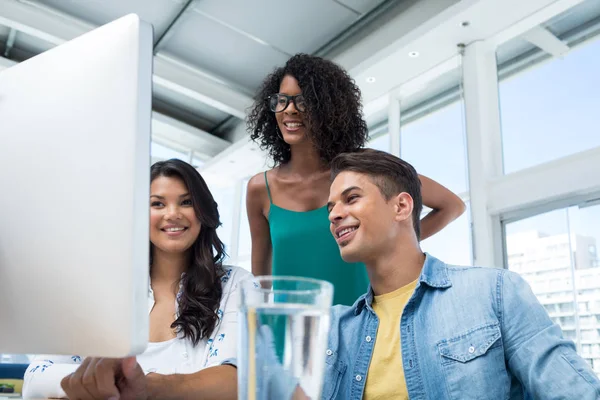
[425, 329]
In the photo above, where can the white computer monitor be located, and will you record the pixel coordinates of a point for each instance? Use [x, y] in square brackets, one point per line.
[74, 186]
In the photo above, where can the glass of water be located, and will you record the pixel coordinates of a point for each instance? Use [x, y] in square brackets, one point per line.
[283, 329]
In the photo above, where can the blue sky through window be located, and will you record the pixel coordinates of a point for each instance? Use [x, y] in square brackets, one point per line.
[552, 110]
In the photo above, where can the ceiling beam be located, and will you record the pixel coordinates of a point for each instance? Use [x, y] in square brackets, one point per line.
[176, 134]
[541, 12]
[188, 81]
[53, 27]
[173, 133]
[545, 40]
[160, 41]
[56, 27]
[10, 42]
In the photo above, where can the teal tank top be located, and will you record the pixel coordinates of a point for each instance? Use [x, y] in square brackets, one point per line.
[304, 246]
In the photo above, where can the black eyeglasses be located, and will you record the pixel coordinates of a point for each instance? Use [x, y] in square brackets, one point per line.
[279, 102]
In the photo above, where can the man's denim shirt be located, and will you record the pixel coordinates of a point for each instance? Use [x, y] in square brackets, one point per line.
[467, 333]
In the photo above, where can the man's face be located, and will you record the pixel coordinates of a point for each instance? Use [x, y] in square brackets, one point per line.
[362, 221]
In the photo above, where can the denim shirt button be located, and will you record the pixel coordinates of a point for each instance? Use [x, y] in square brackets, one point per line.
[471, 350]
[329, 352]
[358, 378]
[368, 339]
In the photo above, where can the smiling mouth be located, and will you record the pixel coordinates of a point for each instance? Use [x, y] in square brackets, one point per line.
[293, 126]
[346, 232]
[174, 230]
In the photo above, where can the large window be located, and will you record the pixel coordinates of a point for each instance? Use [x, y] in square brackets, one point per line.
[435, 145]
[453, 243]
[551, 111]
[557, 254]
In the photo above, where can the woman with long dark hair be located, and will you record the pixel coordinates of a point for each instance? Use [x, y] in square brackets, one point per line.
[192, 304]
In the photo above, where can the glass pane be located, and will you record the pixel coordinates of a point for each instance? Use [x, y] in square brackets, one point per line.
[244, 241]
[556, 254]
[453, 243]
[539, 249]
[551, 111]
[585, 233]
[435, 145]
[381, 143]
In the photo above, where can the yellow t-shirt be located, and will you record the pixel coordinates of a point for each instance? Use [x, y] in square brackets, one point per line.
[385, 378]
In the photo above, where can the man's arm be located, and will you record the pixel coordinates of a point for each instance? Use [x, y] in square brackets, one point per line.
[210, 383]
[537, 354]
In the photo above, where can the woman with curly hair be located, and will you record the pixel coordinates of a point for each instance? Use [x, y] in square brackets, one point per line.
[306, 113]
[192, 306]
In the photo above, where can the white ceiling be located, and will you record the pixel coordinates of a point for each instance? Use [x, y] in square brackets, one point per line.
[212, 54]
[436, 40]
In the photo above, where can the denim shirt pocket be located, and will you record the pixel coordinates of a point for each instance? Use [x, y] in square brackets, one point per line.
[334, 372]
[473, 364]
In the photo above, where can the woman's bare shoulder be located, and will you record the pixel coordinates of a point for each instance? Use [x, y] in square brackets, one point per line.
[257, 185]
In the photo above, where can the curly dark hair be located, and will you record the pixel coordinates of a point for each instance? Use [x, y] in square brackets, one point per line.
[333, 115]
[201, 284]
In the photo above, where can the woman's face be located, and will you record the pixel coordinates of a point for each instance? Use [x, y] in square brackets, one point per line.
[290, 121]
[174, 226]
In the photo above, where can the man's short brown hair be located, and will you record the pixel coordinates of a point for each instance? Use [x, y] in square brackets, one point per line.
[391, 175]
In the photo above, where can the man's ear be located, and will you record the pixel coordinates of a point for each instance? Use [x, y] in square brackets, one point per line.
[403, 206]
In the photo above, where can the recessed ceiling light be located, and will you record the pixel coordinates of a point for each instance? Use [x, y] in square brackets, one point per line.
[370, 79]
[413, 54]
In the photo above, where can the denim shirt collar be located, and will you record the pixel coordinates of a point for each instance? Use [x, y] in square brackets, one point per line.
[434, 274]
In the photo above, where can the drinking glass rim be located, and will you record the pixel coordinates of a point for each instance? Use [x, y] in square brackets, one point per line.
[324, 286]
